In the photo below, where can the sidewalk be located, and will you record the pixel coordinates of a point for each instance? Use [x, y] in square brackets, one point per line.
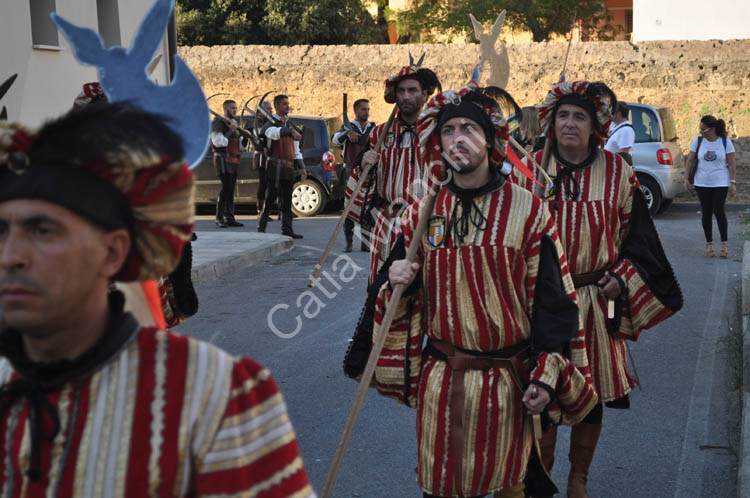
[219, 253]
[743, 467]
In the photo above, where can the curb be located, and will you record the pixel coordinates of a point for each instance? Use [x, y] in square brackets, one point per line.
[234, 256]
[743, 466]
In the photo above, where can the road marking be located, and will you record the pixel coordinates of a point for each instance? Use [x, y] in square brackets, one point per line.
[689, 481]
[311, 248]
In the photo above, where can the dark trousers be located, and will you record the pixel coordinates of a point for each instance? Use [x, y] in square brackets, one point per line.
[349, 230]
[712, 204]
[262, 185]
[284, 194]
[225, 201]
[349, 234]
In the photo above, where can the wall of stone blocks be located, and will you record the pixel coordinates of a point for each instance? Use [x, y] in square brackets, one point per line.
[692, 78]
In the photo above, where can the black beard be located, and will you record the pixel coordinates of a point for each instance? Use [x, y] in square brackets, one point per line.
[466, 169]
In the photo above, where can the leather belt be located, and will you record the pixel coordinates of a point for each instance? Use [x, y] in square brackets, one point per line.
[282, 162]
[584, 279]
[460, 360]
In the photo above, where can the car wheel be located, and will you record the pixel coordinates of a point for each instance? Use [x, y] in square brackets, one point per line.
[308, 198]
[652, 193]
[665, 205]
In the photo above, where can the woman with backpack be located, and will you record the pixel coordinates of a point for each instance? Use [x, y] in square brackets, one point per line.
[711, 168]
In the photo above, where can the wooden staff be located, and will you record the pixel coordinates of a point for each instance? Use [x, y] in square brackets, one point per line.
[377, 347]
[528, 156]
[350, 203]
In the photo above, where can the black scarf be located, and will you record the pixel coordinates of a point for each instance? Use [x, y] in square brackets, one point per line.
[39, 379]
[471, 214]
[564, 178]
[403, 129]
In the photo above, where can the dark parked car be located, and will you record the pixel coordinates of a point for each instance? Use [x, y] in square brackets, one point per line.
[324, 183]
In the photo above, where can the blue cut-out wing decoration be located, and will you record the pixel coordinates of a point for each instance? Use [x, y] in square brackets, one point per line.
[123, 75]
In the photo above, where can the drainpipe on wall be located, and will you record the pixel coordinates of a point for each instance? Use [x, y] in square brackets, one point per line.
[172, 43]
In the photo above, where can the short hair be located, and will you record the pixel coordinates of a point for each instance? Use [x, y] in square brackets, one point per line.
[227, 102]
[623, 108]
[279, 98]
[359, 102]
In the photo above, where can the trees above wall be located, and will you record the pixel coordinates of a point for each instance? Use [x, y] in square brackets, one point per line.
[276, 22]
[543, 18]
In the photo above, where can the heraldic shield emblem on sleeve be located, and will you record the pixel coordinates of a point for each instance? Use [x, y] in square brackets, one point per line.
[436, 231]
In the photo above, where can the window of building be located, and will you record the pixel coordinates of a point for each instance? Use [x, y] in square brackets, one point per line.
[628, 21]
[43, 30]
[109, 21]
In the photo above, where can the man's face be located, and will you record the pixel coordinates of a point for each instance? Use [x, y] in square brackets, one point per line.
[52, 262]
[267, 106]
[573, 127]
[362, 111]
[282, 107]
[230, 110]
[409, 96]
[464, 144]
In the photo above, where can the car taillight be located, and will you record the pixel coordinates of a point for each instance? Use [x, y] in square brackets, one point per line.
[329, 161]
[664, 156]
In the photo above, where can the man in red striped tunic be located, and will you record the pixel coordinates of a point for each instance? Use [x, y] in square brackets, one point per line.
[398, 178]
[491, 292]
[93, 404]
[624, 282]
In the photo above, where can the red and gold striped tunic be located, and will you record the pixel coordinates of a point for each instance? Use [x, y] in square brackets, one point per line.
[165, 416]
[593, 229]
[479, 295]
[400, 180]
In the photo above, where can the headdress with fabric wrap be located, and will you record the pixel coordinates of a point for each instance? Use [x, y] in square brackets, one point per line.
[426, 77]
[114, 165]
[596, 98]
[92, 92]
[485, 109]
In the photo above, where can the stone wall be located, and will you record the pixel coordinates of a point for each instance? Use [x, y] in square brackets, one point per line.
[692, 78]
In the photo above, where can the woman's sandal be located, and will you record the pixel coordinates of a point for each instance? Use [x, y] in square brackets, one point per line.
[724, 251]
[710, 250]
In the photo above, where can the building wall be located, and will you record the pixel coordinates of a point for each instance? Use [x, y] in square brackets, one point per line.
[49, 79]
[690, 20]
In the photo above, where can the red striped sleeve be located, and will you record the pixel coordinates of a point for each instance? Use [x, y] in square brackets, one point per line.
[254, 450]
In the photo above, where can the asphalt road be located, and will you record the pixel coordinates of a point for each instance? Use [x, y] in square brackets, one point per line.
[677, 440]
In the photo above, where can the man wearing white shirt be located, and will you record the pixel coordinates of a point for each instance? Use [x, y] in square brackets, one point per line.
[621, 133]
[354, 141]
[283, 164]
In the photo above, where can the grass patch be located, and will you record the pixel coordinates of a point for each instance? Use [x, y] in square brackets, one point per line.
[733, 345]
[745, 222]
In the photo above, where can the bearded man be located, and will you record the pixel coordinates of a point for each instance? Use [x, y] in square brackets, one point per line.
[487, 333]
[397, 175]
